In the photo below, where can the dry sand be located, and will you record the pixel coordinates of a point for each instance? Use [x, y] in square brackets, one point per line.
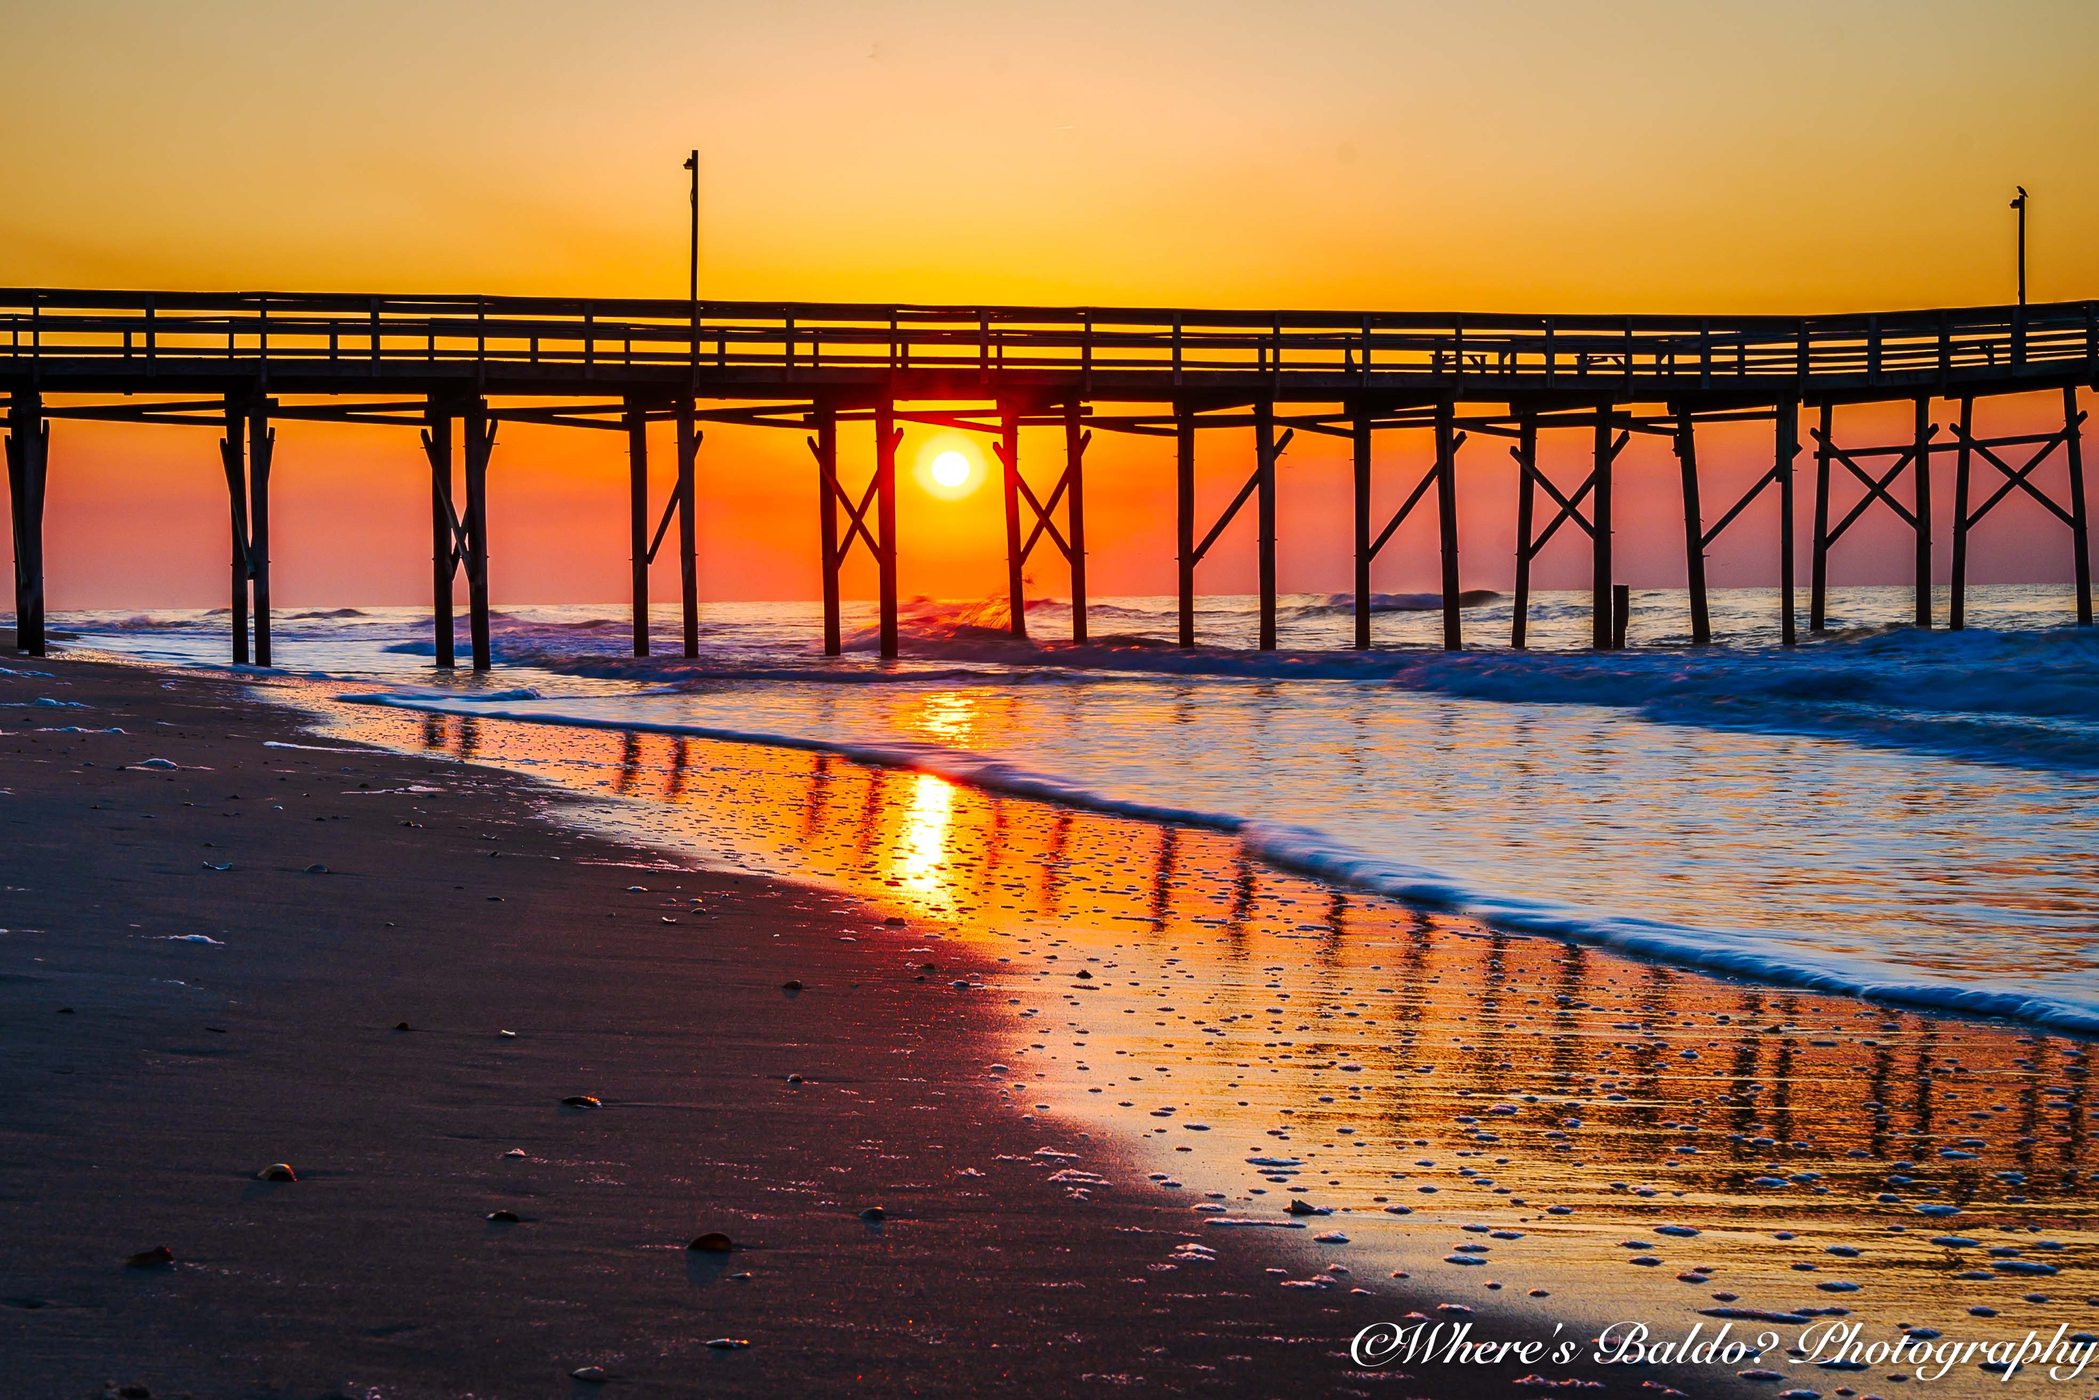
[148, 1076]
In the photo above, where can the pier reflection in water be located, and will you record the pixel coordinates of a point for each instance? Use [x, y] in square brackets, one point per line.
[1512, 1122]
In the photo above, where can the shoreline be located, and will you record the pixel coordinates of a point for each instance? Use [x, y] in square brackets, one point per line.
[158, 1074]
[1314, 853]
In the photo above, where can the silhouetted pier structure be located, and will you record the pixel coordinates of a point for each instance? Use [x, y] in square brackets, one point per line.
[459, 367]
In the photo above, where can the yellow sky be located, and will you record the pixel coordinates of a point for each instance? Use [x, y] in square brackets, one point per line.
[1773, 156]
[1632, 156]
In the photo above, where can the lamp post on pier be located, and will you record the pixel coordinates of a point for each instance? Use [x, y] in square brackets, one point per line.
[2020, 205]
[692, 261]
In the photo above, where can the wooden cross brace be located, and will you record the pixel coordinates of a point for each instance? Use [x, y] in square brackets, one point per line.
[1413, 498]
[1245, 494]
[670, 504]
[1045, 510]
[1570, 506]
[1876, 487]
[233, 456]
[455, 525]
[855, 512]
[2019, 479]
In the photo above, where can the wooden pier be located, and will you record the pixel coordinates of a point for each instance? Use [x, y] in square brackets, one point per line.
[460, 367]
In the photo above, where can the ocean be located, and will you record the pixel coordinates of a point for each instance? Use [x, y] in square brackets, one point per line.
[1908, 815]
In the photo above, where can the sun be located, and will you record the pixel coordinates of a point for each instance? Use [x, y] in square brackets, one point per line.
[950, 473]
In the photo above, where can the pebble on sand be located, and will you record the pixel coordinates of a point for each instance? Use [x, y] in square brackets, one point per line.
[158, 1257]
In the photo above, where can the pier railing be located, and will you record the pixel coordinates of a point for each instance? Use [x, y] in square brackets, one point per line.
[57, 335]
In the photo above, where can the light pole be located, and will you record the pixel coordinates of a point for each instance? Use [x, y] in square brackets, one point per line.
[692, 265]
[2020, 205]
[692, 163]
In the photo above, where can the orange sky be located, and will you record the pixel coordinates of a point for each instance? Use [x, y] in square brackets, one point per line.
[1634, 157]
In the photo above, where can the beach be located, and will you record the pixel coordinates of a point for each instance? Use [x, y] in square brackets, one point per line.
[409, 963]
[393, 985]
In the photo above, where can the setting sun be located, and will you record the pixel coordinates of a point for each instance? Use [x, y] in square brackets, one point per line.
[951, 473]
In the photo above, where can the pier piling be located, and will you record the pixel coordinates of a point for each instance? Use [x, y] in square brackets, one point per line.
[1184, 520]
[2080, 519]
[1360, 434]
[689, 439]
[1602, 634]
[888, 437]
[233, 448]
[1786, 449]
[1448, 441]
[1007, 450]
[480, 432]
[1265, 452]
[28, 458]
[824, 446]
[1526, 454]
[445, 534]
[1818, 566]
[1694, 528]
[1076, 440]
[637, 423]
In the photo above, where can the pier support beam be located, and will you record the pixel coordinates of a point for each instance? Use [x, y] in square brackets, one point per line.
[1957, 614]
[1785, 450]
[2080, 517]
[1447, 524]
[447, 539]
[688, 526]
[1526, 454]
[480, 431]
[244, 452]
[888, 437]
[262, 446]
[1694, 528]
[1914, 457]
[637, 424]
[1184, 518]
[1007, 449]
[1818, 560]
[1268, 446]
[1076, 441]
[2040, 447]
[1602, 614]
[1264, 473]
[28, 458]
[1069, 493]
[824, 445]
[233, 457]
[879, 498]
[1360, 434]
[1920, 465]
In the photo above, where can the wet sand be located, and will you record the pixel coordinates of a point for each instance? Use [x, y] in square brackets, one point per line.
[1541, 1133]
[169, 1029]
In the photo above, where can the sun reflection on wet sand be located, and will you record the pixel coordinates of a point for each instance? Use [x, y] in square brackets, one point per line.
[1514, 1123]
[921, 847]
